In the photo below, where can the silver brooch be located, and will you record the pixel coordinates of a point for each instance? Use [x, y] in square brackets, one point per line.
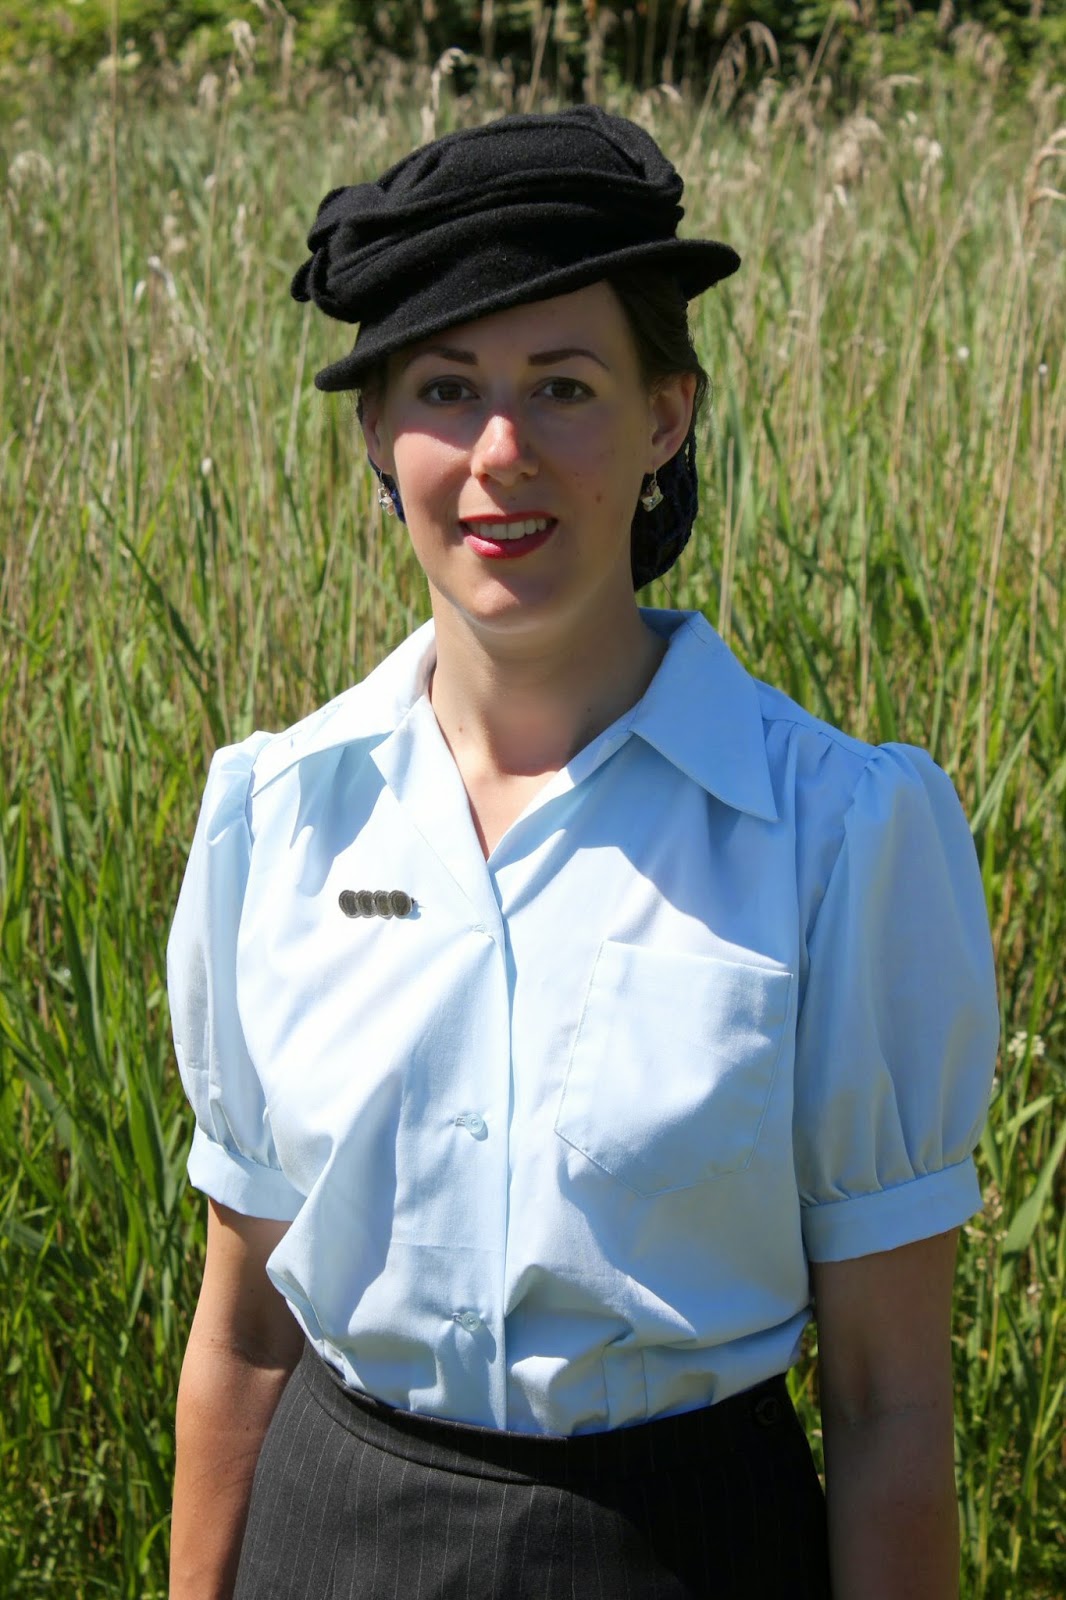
[375, 902]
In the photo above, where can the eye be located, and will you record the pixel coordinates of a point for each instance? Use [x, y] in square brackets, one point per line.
[444, 391]
[566, 389]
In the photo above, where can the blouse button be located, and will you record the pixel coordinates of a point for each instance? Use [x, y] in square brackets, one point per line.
[474, 1125]
[468, 1320]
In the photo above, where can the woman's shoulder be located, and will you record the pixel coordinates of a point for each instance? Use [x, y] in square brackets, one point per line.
[795, 765]
[368, 710]
[882, 821]
[870, 810]
[834, 766]
[808, 743]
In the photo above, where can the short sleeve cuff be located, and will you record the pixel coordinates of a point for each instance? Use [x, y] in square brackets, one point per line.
[843, 1229]
[243, 1185]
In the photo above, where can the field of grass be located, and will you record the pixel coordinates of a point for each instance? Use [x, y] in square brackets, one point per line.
[191, 548]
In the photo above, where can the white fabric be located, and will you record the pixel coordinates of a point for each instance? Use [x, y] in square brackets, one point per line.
[556, 1148]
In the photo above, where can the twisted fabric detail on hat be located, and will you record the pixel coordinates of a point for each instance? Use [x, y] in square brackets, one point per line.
[515, 169]
[359, 246]
[521, 209]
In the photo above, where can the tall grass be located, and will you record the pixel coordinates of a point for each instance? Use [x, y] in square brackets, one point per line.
[191, 548]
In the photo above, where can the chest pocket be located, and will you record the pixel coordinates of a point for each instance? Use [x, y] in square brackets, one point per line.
[672, 1065]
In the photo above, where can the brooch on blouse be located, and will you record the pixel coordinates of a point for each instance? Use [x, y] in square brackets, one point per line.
[375, 902]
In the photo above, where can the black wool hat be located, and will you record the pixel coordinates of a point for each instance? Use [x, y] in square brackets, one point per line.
[522, 209]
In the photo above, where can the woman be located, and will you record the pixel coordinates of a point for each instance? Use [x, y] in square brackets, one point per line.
[563, 1010]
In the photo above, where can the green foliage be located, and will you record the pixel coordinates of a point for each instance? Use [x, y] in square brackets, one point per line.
[78, 35]
[676, 41]
[191, 547]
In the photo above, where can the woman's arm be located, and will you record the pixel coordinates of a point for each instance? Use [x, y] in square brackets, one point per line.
[242, 1347]
[884, 1357]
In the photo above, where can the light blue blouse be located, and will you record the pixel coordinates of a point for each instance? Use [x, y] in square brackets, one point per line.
[558, 1146]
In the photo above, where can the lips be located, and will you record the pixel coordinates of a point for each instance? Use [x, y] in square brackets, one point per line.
[506, 538]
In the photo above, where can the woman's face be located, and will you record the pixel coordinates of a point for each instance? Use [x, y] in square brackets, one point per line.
[519, 443]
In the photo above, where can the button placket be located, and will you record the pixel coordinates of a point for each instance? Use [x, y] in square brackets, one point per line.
[471, 1103]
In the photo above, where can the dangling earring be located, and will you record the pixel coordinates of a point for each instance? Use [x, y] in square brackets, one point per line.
[388, 494]
[653, 495]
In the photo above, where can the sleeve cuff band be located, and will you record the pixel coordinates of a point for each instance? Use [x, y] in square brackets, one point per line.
[243, 1185]
[842, 1229]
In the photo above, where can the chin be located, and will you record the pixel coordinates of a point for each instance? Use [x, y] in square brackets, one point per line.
[508, 606]
[512, 616]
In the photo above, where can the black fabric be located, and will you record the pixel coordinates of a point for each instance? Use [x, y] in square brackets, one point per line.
[521, 209]
[355, 1501]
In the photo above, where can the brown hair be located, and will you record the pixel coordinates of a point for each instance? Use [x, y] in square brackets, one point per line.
[657, 313]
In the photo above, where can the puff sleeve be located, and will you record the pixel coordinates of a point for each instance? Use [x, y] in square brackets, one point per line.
[233, 1158]
[898, 1028]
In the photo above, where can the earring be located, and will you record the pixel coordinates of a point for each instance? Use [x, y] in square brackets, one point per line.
[653, 495]
[388, 494]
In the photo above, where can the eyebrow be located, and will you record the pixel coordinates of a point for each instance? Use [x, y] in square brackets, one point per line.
[548, 358]
[540, 358]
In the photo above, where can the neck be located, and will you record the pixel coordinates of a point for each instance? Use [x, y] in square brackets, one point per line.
[522, 707]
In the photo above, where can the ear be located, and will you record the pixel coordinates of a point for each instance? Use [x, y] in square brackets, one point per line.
[375, 433]
[670, 405]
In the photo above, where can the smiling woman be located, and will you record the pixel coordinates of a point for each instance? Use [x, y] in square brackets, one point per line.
[656, 312]
[567, 1016]
[522, 446]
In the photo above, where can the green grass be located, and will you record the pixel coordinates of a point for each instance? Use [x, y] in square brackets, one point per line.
[191, 548]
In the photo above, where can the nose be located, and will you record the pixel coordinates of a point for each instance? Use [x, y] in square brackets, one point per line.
[502, 451]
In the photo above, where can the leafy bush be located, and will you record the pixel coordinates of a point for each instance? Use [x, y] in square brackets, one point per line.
[679, 41]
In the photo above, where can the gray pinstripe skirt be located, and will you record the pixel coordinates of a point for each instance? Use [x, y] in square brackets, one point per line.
[355, 1501]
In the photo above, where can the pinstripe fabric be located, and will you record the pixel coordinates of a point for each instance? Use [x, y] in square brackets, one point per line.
[355, 1502]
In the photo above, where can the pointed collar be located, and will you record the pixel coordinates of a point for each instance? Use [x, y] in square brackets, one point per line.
[701, 712]
[369, 710]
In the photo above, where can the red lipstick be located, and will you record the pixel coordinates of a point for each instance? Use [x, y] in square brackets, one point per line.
[477, 535]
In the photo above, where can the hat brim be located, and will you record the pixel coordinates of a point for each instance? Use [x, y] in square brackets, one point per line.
[696, 264]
